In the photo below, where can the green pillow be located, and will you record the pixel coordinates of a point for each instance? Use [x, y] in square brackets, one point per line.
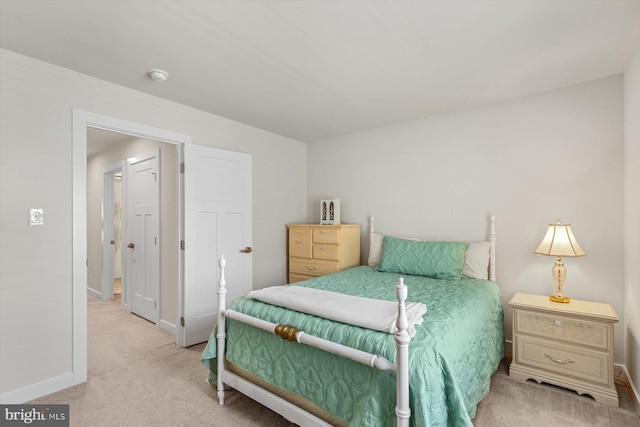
[439, 260]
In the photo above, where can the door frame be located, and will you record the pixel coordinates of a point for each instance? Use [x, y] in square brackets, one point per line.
[108, 258]
[81, 120]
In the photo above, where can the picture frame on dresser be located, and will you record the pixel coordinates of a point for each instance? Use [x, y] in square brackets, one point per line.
[568, 345]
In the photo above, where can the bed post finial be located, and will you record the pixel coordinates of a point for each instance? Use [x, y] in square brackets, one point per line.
[402, 338]
[222, 330]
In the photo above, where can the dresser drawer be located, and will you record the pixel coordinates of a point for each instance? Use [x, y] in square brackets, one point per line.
[300, 242]
[326, 235]
[312, 267]
[329, 252]
[293, 278]
[564, 328]
[564, 360]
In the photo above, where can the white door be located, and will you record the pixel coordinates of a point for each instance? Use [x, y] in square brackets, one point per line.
[217, 220]
[143, 231]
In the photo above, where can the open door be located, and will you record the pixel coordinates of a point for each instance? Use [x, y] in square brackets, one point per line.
[217, 220]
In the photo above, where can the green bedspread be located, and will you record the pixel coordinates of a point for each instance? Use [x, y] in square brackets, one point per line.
[452, 355]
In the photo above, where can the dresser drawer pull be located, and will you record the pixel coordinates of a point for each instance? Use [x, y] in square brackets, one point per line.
[298, 241]
[557, 323]
[310, 267]
[564, 362]
[323, 248]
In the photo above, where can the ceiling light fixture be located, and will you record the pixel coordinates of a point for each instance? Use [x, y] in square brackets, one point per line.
[158, 74]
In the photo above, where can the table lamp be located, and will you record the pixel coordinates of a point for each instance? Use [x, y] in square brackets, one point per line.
[559, 241]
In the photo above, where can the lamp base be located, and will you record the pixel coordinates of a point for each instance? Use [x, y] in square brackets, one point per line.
[563, 300]
[559, 273]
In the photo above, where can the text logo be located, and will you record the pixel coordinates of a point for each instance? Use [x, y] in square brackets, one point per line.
[34, 415]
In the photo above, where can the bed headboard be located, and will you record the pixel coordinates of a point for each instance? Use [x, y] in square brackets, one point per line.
[491, 239]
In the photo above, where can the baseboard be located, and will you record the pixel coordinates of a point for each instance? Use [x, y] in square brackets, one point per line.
[628, 380]
[94, 293]
[34, 391]
[168, 327]
[508, 346]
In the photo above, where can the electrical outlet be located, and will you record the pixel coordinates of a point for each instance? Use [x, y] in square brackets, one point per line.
[36, 216]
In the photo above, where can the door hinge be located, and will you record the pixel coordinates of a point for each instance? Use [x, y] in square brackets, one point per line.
[182, 321]
[155, 241]
[182, 167]
[182, 244]
[155, 305]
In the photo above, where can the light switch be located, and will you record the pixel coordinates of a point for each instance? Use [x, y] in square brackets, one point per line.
[36, 216]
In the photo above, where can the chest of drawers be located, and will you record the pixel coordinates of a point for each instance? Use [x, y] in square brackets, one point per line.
[569, 345]
[317, 250]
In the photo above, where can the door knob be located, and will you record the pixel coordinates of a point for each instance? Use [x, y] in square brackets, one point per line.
[131, 245]
[247, 250]
[113, 242]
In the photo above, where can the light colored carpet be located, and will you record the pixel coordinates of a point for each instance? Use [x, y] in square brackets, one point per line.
[138, 377]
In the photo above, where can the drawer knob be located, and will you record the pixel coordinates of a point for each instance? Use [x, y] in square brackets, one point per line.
[323, 248]
[557, 323]
[298, 241]
[563, 362]
[310, 267]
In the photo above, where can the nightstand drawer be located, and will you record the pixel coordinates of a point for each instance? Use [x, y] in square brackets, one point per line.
[564, 328]
[326, 235]
[565, 360]
[312, 267]
[329, 252]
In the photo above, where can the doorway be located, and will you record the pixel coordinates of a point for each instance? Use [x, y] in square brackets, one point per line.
[117, 237]
[151, 168]
[82, 121]
[112, 226]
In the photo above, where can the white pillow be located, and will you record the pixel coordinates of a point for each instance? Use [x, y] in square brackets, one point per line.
[476, 258]
[476, 261]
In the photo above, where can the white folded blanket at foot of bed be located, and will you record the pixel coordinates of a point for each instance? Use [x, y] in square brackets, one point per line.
[367, 313]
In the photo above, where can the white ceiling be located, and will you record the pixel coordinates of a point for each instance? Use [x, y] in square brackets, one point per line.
[313, 70]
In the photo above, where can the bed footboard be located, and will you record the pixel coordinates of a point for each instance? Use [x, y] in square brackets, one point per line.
[287, 332]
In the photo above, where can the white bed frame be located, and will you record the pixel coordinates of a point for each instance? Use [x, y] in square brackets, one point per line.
[287, 409]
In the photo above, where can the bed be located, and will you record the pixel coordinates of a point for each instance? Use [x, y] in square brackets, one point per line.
[435, 380]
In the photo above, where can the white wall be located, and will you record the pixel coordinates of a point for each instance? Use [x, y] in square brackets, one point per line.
[632, 217]
[36, 105]
[532, 161]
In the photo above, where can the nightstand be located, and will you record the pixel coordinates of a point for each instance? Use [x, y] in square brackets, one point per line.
[569, 345]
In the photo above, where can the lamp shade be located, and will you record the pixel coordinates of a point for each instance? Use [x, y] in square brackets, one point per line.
[560, 241]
